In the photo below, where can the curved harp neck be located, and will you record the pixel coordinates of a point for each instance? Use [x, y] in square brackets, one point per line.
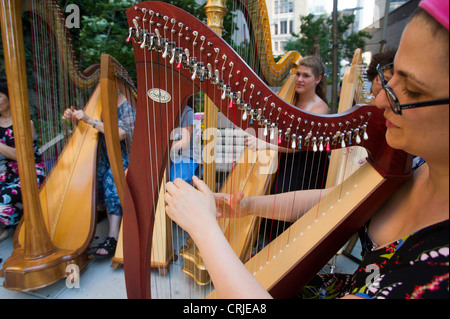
[273, 73]
[111, 74]
[50, 11]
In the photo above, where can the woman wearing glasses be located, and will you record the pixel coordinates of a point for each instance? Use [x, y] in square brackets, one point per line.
[408, 238]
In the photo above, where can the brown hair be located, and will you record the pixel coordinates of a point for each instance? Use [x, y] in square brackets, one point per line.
[381, 59]
[318, 68]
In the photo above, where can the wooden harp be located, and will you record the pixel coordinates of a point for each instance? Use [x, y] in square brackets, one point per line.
[245, 172]
[177, 55]
[59, 218]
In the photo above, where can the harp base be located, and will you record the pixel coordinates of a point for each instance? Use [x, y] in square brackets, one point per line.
[23, 274]
[193, 264]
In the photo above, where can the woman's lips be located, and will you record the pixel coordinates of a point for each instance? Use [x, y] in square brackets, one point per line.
[389, 124]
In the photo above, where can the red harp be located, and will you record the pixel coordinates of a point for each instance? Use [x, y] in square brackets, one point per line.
[177, 55]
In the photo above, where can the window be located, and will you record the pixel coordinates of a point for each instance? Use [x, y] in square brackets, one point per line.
[284, 6]
[283, 27]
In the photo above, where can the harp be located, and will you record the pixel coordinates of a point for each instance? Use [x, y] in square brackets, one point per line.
[253, 171]
[257, 19]
[114, 79]
[176, 55]
[352, 92]
[59, 218]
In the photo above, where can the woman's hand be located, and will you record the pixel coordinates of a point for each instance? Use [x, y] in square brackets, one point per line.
[192, 209]
[79, 115]
[231, 206]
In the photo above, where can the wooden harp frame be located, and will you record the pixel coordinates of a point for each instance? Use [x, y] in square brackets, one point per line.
[44, 245]
[160, 34]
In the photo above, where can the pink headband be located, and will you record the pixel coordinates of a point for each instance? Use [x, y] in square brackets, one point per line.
[438, 9]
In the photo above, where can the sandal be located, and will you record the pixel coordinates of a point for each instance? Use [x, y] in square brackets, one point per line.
[4, 235]
[109, 245]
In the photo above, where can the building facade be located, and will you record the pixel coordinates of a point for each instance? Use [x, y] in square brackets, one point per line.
[284, 17]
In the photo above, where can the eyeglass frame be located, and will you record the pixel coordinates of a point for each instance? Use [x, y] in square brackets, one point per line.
[393, 100]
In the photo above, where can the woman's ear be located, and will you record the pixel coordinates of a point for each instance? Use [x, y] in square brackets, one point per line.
[318, 80]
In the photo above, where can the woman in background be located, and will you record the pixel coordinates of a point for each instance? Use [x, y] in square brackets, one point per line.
[11, 207]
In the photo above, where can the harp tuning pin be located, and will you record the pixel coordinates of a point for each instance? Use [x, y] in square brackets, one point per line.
[280, 139]
[315, 149]
[166, 50]
[251, 117]
[342, 137]
[272, 132]
[358, 139]
[300, 141]
[328, 145]
[143, 41]
[365, 135]
[194, 75]
[172, 59]
[129, 35]
[294, 141]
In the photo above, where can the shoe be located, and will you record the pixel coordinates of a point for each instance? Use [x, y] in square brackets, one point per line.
[3, 235]
[109, 245]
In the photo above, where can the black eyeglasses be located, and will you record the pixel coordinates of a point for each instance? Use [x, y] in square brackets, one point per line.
[393, 100]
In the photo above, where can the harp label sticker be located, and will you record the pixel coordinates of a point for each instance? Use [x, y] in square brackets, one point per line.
[159, 95]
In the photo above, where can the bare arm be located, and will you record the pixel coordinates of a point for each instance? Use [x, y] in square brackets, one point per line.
[184, 142]
[11, 152]
[286, 206]
[72, 114]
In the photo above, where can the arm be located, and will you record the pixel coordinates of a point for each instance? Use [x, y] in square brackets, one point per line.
[256, 144]
[184, 142]
[286, 206]
[11, 152]
[8, 152]
[72, 114]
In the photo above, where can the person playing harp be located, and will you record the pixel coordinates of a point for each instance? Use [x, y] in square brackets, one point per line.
[107, 191]
[11, 207]
[311, 91]
[412, 226]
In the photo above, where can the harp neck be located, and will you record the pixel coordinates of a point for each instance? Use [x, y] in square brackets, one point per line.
[172, 40]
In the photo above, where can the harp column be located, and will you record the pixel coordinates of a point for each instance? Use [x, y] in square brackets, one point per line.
[215, 12]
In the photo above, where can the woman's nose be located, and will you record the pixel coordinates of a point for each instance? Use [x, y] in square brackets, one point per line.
[381, 100]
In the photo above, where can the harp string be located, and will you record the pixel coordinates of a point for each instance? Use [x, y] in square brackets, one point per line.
[54, 92]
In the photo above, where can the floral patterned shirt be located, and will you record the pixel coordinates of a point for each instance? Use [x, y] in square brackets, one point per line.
[414, 267]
